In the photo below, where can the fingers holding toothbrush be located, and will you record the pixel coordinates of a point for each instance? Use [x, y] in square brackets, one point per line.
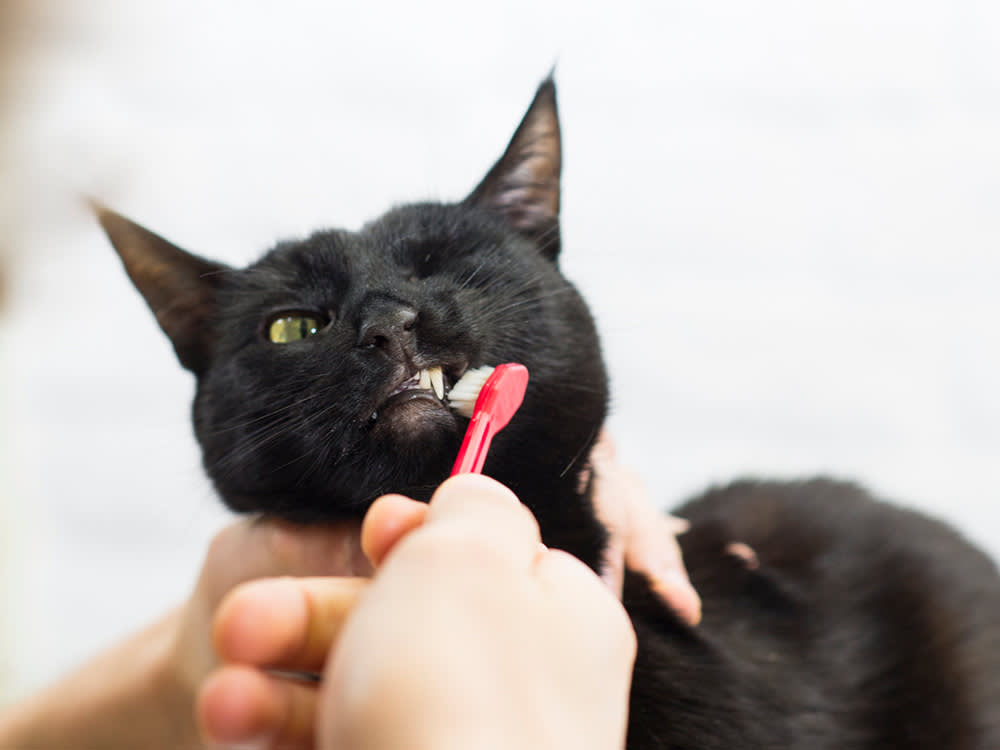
[280, 710]
[450, 575]
[470, 635]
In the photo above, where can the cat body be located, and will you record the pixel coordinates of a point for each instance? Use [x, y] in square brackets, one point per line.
[851, 625]
[857, 625]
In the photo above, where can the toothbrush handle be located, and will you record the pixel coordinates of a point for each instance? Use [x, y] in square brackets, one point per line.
[477, 441]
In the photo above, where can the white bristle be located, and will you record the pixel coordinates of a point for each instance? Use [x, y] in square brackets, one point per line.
[462, 396]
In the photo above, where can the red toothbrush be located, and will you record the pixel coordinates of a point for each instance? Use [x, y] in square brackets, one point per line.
[496, 400]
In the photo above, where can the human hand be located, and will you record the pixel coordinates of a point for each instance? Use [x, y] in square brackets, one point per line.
[291, 624]
[140, 691]
[471, 635]
[482, 551]
[641, 537]
[245, 550]
[266, 630]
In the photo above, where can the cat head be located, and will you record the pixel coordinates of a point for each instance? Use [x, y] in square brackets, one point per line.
[312, 364]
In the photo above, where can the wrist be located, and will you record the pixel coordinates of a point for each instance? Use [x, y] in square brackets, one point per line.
[129, 696]
[171, 680]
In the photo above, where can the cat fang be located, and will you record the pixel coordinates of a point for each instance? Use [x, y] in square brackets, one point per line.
[417, 398]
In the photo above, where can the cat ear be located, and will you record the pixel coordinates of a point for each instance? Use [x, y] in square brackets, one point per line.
[180, 288]
[523, 186]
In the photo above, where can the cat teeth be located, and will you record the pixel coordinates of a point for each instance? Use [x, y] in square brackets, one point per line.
[432, 379]
[437, 382]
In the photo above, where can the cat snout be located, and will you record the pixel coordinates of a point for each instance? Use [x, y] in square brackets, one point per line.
[389, 327]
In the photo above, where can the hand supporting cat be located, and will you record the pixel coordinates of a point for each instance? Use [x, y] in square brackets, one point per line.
[140, 693]
[291, 624]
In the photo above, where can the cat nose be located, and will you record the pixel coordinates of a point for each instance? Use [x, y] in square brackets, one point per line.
[388, 327]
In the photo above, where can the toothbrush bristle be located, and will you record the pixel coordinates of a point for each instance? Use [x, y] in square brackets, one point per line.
[463, 395]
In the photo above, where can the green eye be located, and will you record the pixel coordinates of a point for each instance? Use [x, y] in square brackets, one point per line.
[293, 328]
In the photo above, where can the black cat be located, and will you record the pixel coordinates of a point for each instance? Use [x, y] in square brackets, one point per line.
[861, 626]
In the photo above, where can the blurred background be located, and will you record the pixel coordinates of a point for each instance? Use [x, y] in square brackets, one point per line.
[784, 214]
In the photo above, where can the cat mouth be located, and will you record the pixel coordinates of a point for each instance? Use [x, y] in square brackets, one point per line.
[430, 385]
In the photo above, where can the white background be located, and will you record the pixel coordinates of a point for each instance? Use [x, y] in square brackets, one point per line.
[784, 213]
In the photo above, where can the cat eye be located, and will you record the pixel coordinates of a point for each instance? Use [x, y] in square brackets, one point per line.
[293, 327]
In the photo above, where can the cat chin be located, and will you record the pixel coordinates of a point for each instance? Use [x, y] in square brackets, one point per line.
[295, 508]
[413, 422]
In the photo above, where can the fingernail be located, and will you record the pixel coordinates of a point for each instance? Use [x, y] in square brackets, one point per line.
[678, 594]
[679, 525]
[258, 743]
[479, 483]
[266, 606]
[275, 594]
[744, 553]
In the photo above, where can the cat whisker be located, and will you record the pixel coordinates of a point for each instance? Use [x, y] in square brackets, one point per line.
[468, 279]
[236, 457]
[523, 302]
[321, 459]
[268, 415]
[542, 240]
[285, 465]
[253, 441]
[587, 443]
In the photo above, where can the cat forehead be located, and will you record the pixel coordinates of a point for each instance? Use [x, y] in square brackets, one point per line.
[421, 223]
[419, 231]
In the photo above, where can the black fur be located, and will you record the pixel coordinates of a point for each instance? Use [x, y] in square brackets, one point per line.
[862, 626]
